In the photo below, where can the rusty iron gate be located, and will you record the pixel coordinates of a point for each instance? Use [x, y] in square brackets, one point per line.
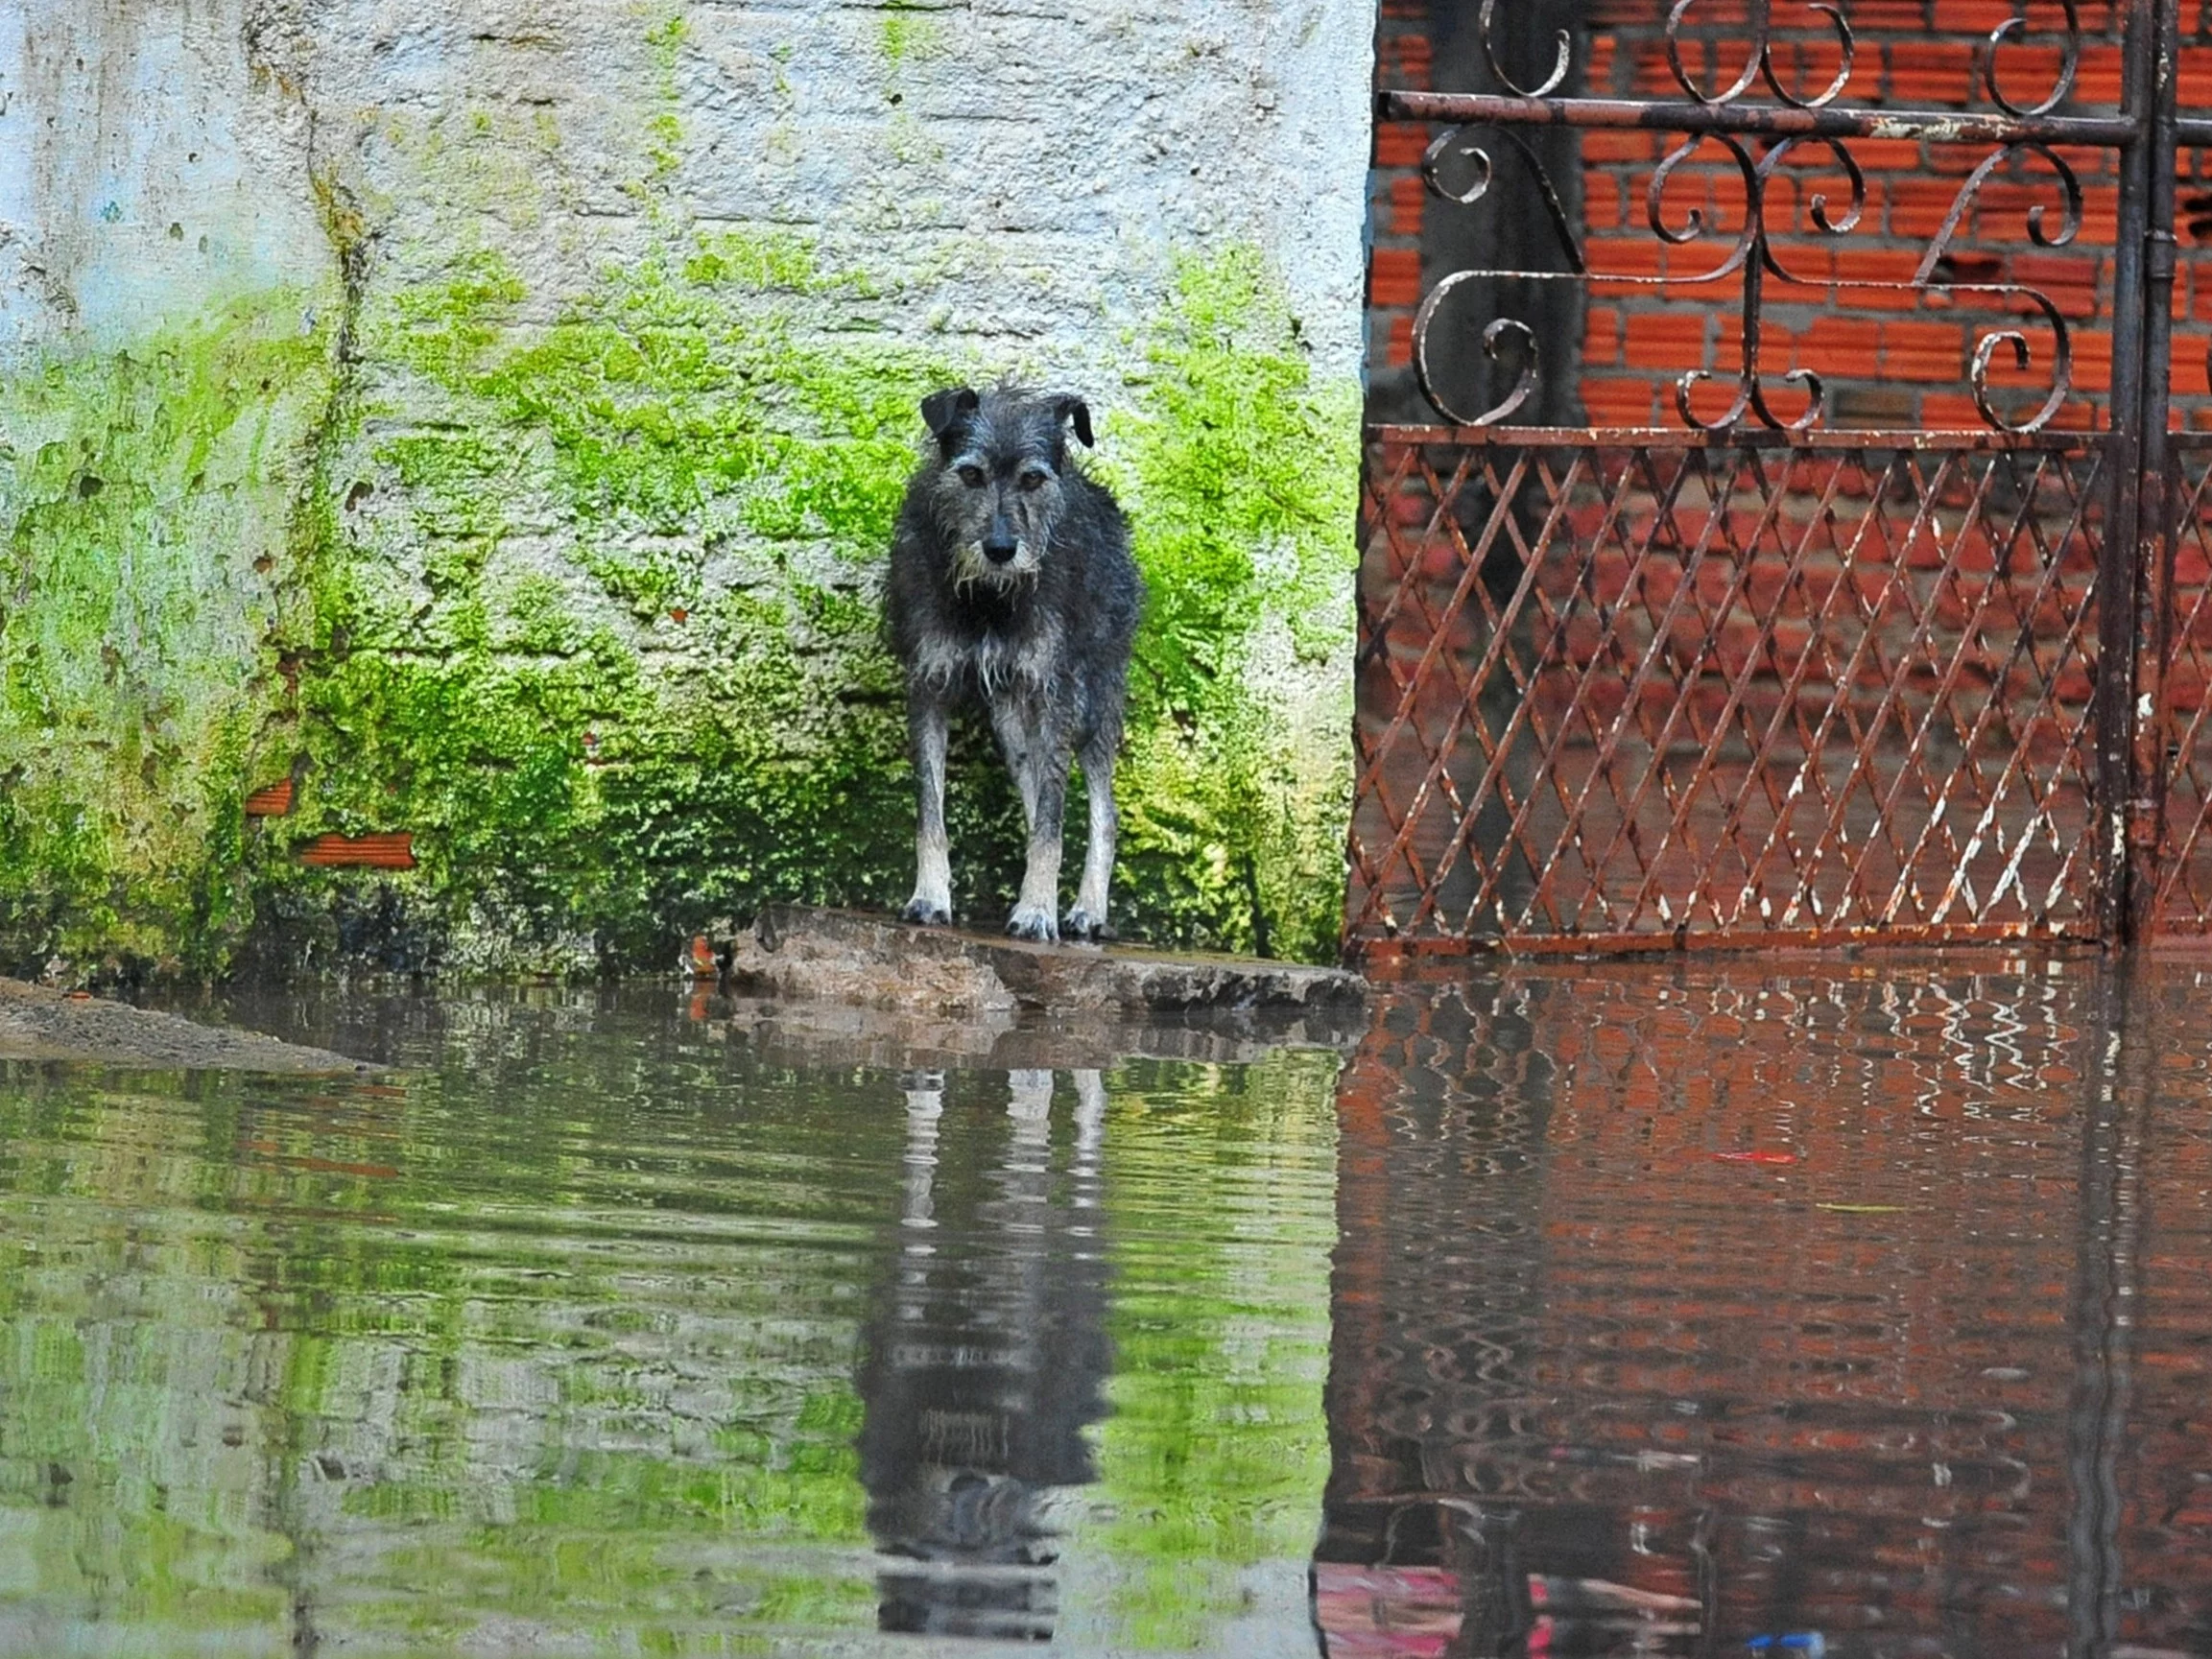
[1769, 676]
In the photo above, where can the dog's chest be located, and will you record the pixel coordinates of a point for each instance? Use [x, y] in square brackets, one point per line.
[991, 660]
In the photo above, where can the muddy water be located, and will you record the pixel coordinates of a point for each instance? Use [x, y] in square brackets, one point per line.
[1680, 1310]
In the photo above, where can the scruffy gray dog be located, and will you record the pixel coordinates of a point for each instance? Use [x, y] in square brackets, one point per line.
[1012, 581]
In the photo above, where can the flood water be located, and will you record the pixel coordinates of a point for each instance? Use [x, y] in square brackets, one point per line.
[1685, 1309]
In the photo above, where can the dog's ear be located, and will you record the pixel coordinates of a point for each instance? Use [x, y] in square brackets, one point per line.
[1075, 409]
[941, 409]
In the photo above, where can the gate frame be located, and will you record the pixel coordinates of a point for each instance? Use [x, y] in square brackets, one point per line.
[2135, 562]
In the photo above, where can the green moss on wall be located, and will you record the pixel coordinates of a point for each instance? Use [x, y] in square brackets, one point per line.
[1242, 477]
[145, 497]
[597, 623]
[583, 594]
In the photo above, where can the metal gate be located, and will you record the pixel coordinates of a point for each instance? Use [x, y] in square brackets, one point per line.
[1769, 675]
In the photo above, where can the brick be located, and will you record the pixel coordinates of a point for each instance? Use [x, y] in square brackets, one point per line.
[1409, 201]
[1838, 346]
[1399, 350]
[1873, 15]
[1604, 205]
[1394, 277]
[1917, 207]
[390, 851]
[1929, 70]
[2092, 357]
[2097, 75]
[1598, 65]
[2193, 76]
[2070, 280]
[1887, 155]
[1971, 16]
[1884, 276]
[2026, 69]
[1408, 59]
[1806, 67]
[1923, 350]
[1666, 338]
[1610, 401]
[1601, 145]
[1601, 335]
[1951, 411]
[1626, 256]
[275, 801]
[1401, 143]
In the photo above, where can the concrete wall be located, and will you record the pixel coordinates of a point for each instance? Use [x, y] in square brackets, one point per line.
[489, 417]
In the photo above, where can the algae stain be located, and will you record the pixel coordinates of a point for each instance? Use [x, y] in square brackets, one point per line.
[730, 729]
[907, 32]
[143, 557]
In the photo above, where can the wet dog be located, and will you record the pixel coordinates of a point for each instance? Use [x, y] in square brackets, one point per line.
[1012, 583]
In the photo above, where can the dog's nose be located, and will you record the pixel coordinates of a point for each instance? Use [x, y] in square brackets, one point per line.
[998, 552]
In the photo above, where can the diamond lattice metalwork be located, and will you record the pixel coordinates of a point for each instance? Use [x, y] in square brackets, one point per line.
[1623, 689]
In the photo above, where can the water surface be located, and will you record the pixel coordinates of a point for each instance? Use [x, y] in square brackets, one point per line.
[1685, 1309]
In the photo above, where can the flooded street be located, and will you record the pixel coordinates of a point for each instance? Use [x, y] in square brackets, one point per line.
[1844, 1308]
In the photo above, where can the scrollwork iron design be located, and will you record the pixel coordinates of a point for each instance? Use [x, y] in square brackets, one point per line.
[1550, 83]
[2069, 62]
[1760, 64]
[1761, 143]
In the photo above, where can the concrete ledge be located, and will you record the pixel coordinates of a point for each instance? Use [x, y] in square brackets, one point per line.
[877, 962]
[41, 1024]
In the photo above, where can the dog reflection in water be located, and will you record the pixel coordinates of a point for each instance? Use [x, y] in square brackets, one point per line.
[987, 1353]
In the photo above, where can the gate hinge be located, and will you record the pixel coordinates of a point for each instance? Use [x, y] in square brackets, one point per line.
[2158, 254]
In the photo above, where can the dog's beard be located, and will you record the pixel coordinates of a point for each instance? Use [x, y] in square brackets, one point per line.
[969, 567]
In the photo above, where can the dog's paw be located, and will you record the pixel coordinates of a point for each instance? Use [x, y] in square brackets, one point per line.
[1032, 922]
[926, 912]
[1080, 924]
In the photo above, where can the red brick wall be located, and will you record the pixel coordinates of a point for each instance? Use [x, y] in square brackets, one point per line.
[1397, 200]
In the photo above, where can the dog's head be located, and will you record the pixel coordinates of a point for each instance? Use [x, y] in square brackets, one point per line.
[1001, 459]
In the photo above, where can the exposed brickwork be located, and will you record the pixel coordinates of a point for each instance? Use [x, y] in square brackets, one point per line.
[1778, 692]
[384, 852]
[275, 801]
[1942, 609]
[1397, 201]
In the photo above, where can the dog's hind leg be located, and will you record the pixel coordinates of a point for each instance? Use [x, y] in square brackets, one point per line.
[1039, 762]
[932, 901]
[1088, 919]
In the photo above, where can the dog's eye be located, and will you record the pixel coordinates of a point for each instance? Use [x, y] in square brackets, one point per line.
[971, 476]
[1033, 479]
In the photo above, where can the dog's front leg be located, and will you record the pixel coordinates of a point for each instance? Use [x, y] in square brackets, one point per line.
[1037, 916]
[932, 901]
[1088, 919]
[1039, 764]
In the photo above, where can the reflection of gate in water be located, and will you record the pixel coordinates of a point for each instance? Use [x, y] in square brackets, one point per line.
[1767, 674]
[1649, 1336]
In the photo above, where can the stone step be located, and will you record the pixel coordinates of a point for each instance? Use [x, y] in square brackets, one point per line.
[880, 963]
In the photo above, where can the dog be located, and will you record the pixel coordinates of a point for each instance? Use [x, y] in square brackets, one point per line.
[1011, 582]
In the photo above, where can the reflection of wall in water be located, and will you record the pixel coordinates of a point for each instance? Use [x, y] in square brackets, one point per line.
[987, 1352]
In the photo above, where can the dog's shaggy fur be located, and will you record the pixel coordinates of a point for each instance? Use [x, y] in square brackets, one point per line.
[1011, 582]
